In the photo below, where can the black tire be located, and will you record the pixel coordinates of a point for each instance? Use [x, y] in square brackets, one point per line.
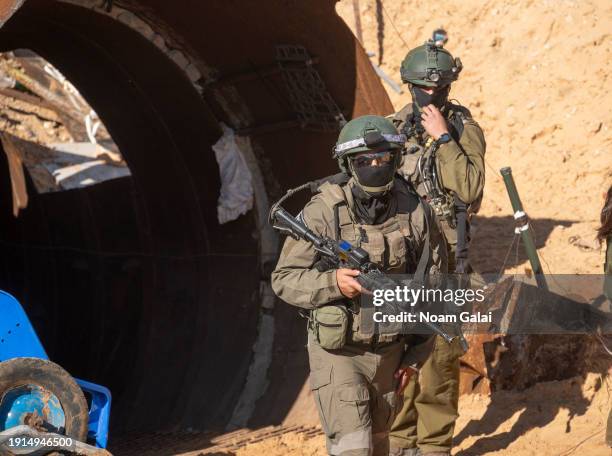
[48, 375]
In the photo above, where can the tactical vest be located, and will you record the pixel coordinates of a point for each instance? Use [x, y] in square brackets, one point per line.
[391, 245]
[456, 117]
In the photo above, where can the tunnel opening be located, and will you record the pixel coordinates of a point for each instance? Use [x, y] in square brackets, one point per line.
[133, 283]
[124, 280]
[51, 131]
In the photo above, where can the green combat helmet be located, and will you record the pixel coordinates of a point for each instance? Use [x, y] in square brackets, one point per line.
[430, 64]
[377, 135]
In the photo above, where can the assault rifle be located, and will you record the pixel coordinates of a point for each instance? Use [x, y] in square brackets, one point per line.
[341, 254]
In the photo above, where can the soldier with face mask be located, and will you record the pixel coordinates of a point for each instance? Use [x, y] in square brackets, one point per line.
[351, 370]
[444, 162]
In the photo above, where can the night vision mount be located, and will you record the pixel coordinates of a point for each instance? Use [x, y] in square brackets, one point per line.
[434, 45]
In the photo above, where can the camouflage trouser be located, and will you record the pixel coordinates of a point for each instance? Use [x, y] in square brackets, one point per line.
[427, 418]
[354, 390]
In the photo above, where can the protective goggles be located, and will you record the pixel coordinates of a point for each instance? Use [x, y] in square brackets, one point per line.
[340, 148]
[374, 159]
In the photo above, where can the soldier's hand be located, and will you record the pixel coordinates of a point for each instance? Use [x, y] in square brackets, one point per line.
[345, 278]
[433, 121]
[403, 376]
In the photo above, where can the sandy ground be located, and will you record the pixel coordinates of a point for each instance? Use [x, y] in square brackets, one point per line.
[535, 77]
[553, 418]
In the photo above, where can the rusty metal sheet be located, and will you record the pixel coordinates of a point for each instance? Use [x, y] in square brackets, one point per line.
[473, 366]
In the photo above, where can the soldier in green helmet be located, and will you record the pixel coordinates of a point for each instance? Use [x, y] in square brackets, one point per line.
[355, 376]
[444, 162]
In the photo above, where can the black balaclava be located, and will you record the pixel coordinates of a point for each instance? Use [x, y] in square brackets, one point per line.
[421, 98]
[373, 209]
[374, 176]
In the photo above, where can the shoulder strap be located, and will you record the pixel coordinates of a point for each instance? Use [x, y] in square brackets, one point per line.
[458, 116]
[423, 264]
[408, 202]
[407, 197]
[456, 123]
[333, 196]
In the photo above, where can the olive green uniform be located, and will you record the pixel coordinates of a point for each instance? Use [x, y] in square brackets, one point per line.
[460, 164]
[430, 406]
[352, 383]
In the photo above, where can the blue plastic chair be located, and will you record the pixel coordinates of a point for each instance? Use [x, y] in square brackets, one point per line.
[19, 340]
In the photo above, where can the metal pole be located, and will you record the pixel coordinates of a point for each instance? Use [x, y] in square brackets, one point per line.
[522, 227]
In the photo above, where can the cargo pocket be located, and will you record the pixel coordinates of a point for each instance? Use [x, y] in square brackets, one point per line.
[397, 248]
[320, 377]
[331, 325]
[353, 407]
[320, 384]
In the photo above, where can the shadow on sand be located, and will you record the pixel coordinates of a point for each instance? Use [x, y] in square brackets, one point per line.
[493, 236]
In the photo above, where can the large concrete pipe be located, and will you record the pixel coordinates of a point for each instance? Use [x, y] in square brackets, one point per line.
[133, 283]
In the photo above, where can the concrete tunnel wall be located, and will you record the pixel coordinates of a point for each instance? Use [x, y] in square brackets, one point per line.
[132, 283]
